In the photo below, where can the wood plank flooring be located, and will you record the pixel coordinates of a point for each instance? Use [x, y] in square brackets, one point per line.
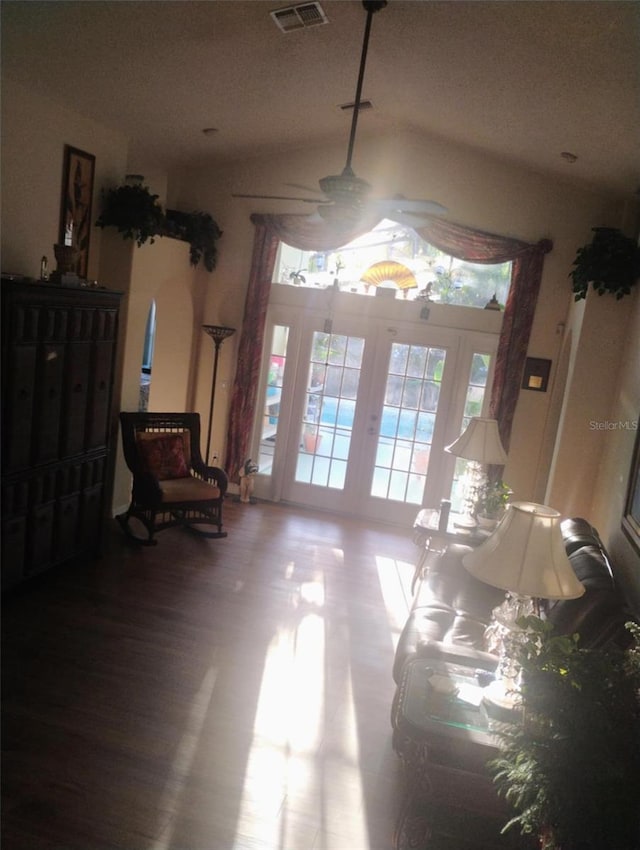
[209, 694]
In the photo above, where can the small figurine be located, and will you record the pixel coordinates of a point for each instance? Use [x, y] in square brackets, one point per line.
[247, 480]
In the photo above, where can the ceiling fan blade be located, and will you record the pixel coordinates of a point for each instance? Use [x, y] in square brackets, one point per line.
[315, 201]
[408, 205]
[343, 197]
[413, 220]
[304, 188]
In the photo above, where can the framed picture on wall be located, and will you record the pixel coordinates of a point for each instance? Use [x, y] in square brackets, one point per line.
[631, 519]
[75, 215]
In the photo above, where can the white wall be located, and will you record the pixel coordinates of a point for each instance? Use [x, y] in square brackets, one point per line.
[616, 444]
[34, 133]
[160, 272]
[479, 191]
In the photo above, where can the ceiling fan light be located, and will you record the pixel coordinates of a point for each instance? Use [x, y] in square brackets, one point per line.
[345, 188]
[341, 215]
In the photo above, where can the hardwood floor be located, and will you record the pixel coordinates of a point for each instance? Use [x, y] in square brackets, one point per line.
[208, 694]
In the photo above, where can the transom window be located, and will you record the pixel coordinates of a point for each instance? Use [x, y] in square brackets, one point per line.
[394, 257]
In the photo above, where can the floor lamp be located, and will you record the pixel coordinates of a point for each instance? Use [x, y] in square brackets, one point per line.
[218, 334]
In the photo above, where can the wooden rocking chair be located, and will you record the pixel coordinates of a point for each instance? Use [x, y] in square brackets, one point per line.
[172, 485]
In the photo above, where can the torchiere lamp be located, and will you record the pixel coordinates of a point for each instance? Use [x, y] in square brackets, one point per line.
[218, 334]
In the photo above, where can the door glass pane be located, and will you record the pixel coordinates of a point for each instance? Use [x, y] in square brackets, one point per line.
[272, 398]
[332, 389]
[408, 419]
[476, 390]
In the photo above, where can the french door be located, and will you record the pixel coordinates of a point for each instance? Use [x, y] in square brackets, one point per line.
[358, 411]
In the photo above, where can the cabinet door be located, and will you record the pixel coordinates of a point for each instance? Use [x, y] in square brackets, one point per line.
[48, 403]
[75, 398]
[99, 394]
[18, 407]
[20, 331]
[54, 323]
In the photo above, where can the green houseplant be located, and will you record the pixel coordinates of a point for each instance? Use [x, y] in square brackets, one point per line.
[610, 263]
[571, 768]
[493, 497]
[201, 232]
[134, 211]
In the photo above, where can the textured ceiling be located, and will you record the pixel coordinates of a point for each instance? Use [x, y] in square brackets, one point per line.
[524, 80]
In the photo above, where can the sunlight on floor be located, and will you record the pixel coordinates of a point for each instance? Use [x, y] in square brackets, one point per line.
[186, 752]
[290, 768]
[303, 781]
[395, 579]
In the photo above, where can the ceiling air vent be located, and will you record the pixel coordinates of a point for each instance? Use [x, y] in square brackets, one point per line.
[299, 17]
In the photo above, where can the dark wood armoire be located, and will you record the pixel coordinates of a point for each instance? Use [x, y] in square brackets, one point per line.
[58, 356]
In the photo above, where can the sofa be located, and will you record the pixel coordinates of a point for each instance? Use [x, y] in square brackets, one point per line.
[452, 609]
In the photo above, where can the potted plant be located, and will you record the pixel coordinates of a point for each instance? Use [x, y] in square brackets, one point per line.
[134, 211]
[492, 500]
[201, 232]
[571, 767]
[610, 263]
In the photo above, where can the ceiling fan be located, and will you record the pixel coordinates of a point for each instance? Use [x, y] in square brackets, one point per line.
[347, 197]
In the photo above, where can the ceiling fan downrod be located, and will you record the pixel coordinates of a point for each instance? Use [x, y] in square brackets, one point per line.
[371, 7]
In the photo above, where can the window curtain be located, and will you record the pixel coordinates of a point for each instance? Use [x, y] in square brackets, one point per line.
[309, 233]
[312, 233]
[476, 246]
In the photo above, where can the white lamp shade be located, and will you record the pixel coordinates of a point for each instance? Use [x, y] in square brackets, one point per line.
[526, 555]
[480, 441]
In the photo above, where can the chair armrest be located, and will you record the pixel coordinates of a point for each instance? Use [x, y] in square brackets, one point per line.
[146, 488]
[214, 475]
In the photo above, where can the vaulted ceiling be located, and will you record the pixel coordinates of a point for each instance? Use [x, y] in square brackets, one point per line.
[525, 81]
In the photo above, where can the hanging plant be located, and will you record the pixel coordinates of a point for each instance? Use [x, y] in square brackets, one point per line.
[610, 262]
[201, 232]
[134, 212]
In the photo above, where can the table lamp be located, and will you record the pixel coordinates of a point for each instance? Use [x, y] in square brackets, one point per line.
[525, 556]
[479, 443]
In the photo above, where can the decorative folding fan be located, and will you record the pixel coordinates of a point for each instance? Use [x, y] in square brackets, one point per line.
[387, 270]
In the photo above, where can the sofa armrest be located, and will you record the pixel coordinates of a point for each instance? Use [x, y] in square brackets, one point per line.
[457, 654]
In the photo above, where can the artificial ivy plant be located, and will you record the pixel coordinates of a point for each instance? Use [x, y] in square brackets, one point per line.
[201, 232]
[137, 214]
[610, 263]
[134, 211]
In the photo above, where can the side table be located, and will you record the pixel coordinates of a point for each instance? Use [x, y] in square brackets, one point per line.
[444, 739]
[429, 537]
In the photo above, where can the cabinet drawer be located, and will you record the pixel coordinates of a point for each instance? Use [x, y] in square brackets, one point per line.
[40, 538]
[91, 518]
[14, 537]
[67, 532]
